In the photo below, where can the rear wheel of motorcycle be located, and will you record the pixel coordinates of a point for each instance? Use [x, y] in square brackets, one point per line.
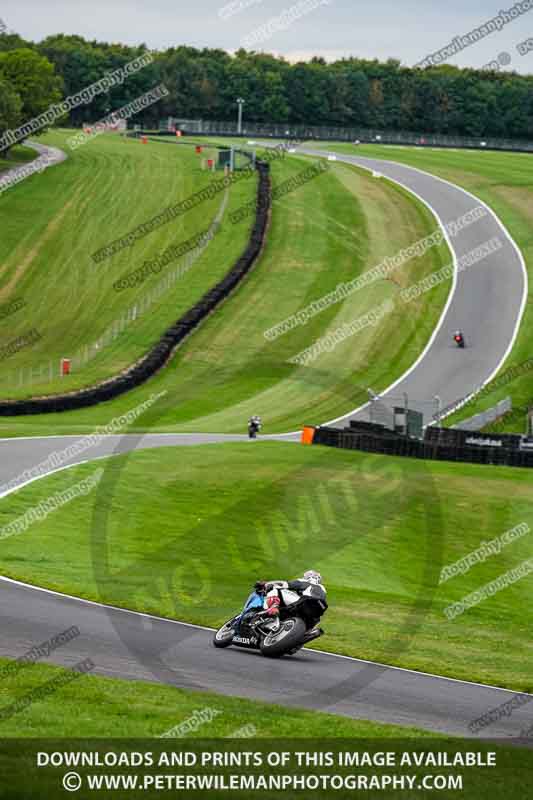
[224, 636]
[294, 650]
[289, 636]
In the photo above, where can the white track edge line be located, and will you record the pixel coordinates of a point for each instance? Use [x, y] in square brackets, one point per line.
[205, 628]
[405, 375]
[449, 299]
[343, 158]
[46, 474]
[452, 292]
[509, 237]
[98, 604]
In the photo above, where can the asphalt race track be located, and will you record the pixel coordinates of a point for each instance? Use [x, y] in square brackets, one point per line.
[184, 656]
[487, 303]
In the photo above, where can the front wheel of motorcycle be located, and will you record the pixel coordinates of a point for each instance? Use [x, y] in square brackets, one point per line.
[224, 636]
[288, 636]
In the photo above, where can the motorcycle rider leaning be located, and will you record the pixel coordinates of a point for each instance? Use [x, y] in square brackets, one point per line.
[265, 597]
[271, 588]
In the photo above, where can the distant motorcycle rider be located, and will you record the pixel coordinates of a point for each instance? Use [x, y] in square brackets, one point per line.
[459, 339]
[254, 426]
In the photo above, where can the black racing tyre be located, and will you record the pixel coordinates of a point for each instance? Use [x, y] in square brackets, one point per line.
[289, 636]
[224, 636]
[294, 650]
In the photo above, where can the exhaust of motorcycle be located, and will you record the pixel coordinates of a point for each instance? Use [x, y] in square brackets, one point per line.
[316, 633]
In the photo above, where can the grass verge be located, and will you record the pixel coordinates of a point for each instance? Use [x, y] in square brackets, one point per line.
[505, 182]
[379, 529]
[331, 229]
[109, 707]
[101, 192]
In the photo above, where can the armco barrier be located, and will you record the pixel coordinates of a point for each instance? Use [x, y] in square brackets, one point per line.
[431, 449]
[364, 135]
[160, 353]
[484, 418]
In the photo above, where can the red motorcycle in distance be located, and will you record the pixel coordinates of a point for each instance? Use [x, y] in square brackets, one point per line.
[459, 339]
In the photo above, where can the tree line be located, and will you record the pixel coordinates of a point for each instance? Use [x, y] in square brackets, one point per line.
[204, 84]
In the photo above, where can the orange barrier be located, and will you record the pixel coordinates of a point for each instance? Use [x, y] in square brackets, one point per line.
[308, 434]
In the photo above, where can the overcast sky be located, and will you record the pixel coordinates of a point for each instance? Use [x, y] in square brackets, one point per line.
[380, 29]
